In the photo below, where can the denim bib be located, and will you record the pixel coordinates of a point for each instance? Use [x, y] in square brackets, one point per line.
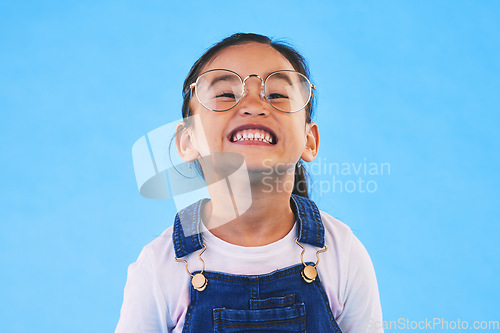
[280, 301]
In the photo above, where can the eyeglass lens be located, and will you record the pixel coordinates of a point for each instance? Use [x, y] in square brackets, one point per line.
[221, 90]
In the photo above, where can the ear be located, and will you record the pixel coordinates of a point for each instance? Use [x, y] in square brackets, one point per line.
[312, 142]
[184, 142]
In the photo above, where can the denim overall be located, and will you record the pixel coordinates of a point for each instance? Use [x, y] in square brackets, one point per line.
[280, 301]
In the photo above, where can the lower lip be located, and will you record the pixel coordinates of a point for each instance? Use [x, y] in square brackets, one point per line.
[252, 143]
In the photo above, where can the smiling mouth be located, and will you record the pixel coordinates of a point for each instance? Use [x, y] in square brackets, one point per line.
[253, 134]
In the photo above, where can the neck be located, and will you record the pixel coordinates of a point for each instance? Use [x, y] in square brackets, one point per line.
[253, 215]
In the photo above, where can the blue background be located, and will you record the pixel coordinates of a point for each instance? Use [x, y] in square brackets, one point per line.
[410, 83]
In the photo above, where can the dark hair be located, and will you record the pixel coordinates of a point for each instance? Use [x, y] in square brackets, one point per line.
[297, 61]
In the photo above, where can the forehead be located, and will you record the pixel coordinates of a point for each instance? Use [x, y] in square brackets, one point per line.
[249, 58]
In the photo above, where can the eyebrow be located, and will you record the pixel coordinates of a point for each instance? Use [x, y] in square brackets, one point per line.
[221, 78]
[282, 75]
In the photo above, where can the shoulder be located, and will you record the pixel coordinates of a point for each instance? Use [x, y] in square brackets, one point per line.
[340, 241]
[159, 249]
[339, 236]
[148, 266]
[332, 224]
[337, 233]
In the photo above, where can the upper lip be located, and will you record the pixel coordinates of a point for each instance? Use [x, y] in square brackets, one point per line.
[254, 126]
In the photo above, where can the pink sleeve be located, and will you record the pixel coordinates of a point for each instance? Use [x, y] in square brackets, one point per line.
[362, 311]
[144, 309]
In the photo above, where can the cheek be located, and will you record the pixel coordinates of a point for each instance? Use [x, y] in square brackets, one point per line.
[299, 129]
[208, 135]
[300, 136]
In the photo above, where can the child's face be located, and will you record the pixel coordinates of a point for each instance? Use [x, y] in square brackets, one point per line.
[292, 137]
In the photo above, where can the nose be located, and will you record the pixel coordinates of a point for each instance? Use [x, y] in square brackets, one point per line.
[253, 102]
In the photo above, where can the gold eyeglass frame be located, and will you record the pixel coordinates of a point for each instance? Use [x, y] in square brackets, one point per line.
[312, 87]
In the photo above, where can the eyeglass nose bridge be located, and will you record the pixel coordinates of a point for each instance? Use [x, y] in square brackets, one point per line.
[261, 85]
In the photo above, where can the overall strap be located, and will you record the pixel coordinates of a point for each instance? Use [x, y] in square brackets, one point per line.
[310, 229]
[187, 235]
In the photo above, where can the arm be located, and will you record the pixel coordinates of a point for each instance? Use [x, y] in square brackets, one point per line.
[144, 309]
[362, 311]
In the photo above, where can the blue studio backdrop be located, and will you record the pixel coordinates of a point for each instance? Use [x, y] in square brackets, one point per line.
[407, 106]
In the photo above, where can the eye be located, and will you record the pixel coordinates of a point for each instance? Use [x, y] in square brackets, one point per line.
[226, 95]
[276, 96]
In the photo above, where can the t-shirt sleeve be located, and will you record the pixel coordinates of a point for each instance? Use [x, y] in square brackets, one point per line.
[362, 312]
[144, 309]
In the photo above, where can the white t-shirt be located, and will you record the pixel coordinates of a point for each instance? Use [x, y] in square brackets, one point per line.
[157, 296]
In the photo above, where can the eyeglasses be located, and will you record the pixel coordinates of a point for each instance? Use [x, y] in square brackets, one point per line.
[220, 90]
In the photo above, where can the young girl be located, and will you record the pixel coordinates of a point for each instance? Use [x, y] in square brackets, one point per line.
[258, 256]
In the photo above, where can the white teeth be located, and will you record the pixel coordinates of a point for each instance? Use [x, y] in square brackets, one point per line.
[257, 135]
